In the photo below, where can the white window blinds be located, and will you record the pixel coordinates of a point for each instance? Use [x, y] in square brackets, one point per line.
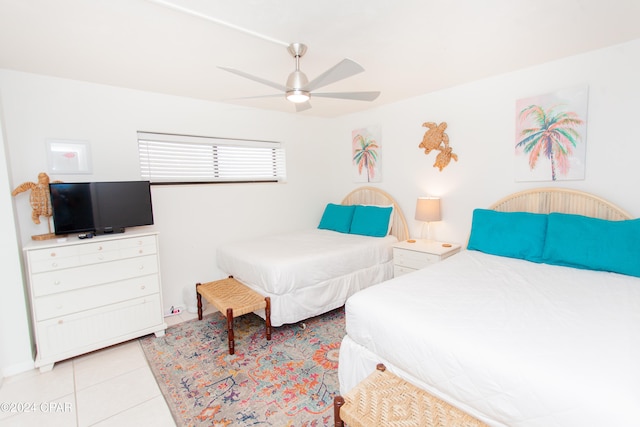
[170, 158]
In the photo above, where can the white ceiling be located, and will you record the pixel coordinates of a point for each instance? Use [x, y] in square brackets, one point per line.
[407, 47]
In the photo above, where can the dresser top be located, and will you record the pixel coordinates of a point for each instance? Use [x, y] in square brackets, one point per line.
[75, 240]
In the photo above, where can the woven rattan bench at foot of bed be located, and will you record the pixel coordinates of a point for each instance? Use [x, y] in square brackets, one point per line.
[383, 399]
[233, 299]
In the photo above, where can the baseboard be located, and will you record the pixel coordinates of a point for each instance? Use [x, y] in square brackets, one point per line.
[18, 368]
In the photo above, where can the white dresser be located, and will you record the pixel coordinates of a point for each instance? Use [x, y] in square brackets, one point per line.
[93, 293]
[412, 255]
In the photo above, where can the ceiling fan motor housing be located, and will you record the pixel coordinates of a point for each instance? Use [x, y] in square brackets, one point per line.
[297, 79]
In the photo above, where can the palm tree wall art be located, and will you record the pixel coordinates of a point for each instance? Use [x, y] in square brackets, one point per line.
[551, 136]
[365, 155]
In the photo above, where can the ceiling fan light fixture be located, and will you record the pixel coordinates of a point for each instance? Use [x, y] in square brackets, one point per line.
[298, 96]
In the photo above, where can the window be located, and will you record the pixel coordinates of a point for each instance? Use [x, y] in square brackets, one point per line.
[169, 158]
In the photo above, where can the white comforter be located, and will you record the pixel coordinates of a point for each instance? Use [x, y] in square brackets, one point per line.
[308, 272]
[513, 342]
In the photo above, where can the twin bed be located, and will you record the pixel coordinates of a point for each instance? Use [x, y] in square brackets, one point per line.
[528, 329]
[310, 272]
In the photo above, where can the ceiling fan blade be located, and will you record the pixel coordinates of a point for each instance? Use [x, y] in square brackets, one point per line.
[357, 96]
[275, 95]
[342, 70]
[274, 85]
[302, 106]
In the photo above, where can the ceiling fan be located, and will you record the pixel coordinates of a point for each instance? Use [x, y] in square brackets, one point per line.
[299, 89]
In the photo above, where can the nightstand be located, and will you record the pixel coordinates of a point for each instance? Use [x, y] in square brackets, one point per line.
[408, 257]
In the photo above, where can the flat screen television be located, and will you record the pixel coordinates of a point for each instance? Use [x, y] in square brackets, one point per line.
[100, 207]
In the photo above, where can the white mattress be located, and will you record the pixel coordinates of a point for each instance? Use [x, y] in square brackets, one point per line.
[308, 272]
[513, 342]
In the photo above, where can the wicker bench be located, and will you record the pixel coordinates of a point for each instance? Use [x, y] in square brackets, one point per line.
[383, 399]
[233, 299]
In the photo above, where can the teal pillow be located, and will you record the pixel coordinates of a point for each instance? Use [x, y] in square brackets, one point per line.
[337, 218]
[510, 234]
[371, 220]
[594, 244]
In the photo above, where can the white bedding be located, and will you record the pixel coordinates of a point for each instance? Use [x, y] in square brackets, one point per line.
[512, 342]
[309, 272]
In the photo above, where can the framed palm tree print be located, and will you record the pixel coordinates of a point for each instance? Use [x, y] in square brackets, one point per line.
[551, 136]
[365, 154]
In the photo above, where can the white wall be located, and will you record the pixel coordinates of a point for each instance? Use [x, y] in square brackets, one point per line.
[481, 127]
[15, 340]
[194, 220]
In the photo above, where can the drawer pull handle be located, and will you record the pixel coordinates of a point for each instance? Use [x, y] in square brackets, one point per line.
[57, 282]
[60, 322]
[53, 254]
[54, 265]
[99, 248]
[142, 267]
[141, 251]
[142, 287]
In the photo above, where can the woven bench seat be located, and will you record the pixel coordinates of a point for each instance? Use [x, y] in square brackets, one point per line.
[383, 399]
[233, 299]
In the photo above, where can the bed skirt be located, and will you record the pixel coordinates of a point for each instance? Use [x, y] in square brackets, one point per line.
[312, 301]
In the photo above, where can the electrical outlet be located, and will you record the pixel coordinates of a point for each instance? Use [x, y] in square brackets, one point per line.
[173, 311]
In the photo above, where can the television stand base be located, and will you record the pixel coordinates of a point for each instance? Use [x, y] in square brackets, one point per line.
[116, 230]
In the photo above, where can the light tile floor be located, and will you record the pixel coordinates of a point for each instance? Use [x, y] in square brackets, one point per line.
[109, 387]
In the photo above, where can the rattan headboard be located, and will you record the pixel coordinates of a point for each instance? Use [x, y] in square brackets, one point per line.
[546, 200]
[374, 196]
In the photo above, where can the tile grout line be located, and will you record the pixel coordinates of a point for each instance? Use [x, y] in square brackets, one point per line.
[75, 393]
[123, 411]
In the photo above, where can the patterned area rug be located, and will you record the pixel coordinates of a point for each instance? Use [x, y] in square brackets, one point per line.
[288, 381]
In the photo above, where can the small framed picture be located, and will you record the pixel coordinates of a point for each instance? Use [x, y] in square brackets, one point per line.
[68, 157]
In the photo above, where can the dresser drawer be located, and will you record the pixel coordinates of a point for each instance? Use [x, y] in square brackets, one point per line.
[131, 252]
[53, 259]
[91, 275]
[96, 252]
[54, 263]
[61, 304]
[413, 259]
[78, 333]
[137, 242]
[73, 255]
[48, 254]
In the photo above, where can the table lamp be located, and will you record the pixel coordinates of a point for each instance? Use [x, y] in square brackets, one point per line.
[428, 210]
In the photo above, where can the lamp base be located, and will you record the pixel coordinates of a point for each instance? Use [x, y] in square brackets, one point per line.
[428, 237]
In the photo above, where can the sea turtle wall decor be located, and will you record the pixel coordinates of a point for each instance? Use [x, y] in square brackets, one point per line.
[435, 138]
[40, 201]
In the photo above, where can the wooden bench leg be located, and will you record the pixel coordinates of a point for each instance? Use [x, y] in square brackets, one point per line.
[199, 302]
[267, 315]
[338, 401]
[232, 349]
